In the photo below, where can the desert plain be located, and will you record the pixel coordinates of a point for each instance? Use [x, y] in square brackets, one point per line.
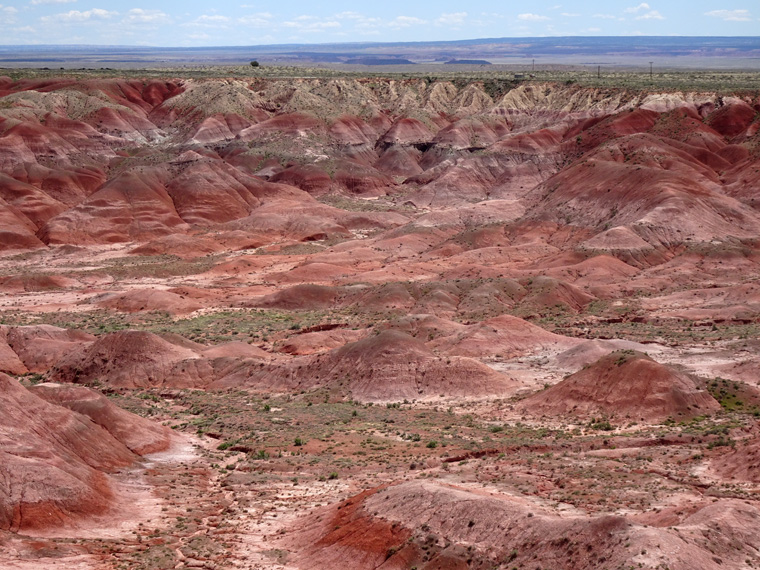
[382, 323]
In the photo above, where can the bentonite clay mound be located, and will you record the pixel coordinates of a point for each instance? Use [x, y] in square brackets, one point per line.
[141, 436]
[587, 352]
[434, 526]
[388, 366]
[143, 300]
[10, 363]
[742, 463]
[505, 336]
[434, 134]
[41, 346]
[54, 461]
[125, 359]
[138, 359]
[627, 385]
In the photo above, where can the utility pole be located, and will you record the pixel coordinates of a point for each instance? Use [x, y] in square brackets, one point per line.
[598, 71]
[650, 69]
[534, 65]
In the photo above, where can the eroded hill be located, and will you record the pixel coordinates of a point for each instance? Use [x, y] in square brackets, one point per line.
[401, 300]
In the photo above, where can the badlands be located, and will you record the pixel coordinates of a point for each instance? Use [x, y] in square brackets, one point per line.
[378, 323]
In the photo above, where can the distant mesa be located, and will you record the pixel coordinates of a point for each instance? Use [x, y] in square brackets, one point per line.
[467, 62]
[378, 61]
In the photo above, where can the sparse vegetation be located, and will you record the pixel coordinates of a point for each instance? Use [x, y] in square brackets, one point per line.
[447, 279]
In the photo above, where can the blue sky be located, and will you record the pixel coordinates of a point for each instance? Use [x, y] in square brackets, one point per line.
[195, 23]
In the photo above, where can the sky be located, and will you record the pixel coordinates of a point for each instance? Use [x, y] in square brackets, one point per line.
[204, 23]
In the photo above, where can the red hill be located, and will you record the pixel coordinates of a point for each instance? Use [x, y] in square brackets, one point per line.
[625, 385]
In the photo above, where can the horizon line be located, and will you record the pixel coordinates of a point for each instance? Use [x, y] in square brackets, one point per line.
[371, 43]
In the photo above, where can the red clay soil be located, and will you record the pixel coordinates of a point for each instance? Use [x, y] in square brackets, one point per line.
[399, 161]
[68, 185]
[319, 341]
[140, 435]
[145, 300]
[132, 206]
[741, 462]
[309, 178]
[506, 336]
[547, 294]
[28, 283]
[432, 525]
[650, 185]
[351, 130]
[303, 297]
[53, 462]
[208, 192]
[469, 133]
[304, 219]
[407, 131]
[291, 124]
[17, 231]
[220, 127]
[219, 180]
[10, 363]
[126, 359]
[589, 351]
[40, 346]
[349, 532]
[360, 179]
[191, 247]
[389, 366]
[138, 359]
[732, 120]
[34, 203]
[623, 385]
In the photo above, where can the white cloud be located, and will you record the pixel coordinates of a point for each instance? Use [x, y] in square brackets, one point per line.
[38, 2]
[605, 16]
[637, 9]
[731, 15]
[454, 19]
[350, 16]
[653, 15]
[77, 16]
[311, 24]
[406, 22]
[260, 20]
[368, 23]
[569, 15]
[360, 21]
[531, 17]
[140, 16]
[209, 21]
[8, 17]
